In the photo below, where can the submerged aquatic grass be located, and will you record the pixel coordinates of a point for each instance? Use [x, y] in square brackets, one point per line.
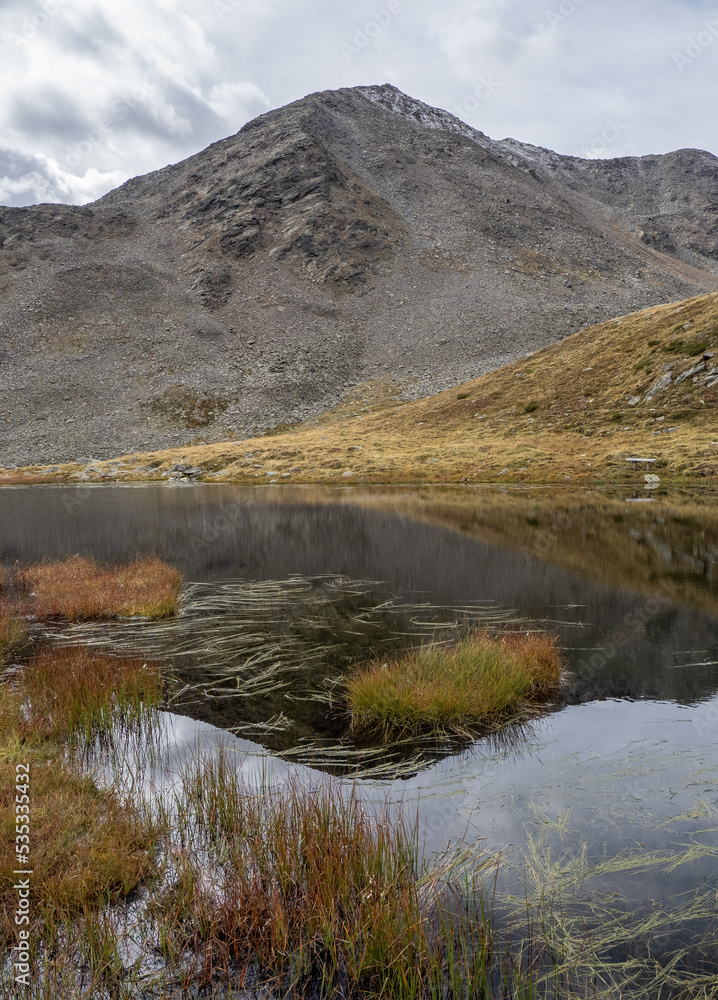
[79, 588]
[298, 887]
[308, 888]
[483, 680]
[600, 942]
[245, 633]
[267, 659]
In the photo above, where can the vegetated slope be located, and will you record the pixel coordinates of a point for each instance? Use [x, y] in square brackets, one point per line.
[644, 386]
[354, 235]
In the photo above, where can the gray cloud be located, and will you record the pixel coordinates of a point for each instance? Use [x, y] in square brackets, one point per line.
[46, 113]
[95, 91]
[14, 166]
[94, 37]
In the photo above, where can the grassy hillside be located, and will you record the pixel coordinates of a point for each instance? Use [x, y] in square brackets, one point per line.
[635, 386]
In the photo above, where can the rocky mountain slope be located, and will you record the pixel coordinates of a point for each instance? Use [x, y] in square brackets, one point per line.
[355, 235]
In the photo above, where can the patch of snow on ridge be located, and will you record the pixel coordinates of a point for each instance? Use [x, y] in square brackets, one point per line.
[538, 161]
[392, 99]
[531, 154]
[523, 155]
[538, 156]
[518, 154]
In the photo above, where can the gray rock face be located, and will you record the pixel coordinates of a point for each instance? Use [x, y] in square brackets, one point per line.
[658, 386]
[353, 235]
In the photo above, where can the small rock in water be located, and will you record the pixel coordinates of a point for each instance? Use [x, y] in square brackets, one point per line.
[651, 480]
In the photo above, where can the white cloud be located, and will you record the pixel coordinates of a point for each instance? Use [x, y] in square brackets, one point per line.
[95, 91]
[44, 180]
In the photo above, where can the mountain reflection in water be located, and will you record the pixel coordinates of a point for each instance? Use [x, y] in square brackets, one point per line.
[643, 573]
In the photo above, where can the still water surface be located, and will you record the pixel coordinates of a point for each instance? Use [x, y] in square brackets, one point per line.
[622, 769]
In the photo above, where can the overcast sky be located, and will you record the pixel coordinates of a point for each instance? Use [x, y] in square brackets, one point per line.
[96, 91]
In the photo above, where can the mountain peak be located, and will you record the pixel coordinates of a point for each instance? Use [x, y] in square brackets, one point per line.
[356, 236]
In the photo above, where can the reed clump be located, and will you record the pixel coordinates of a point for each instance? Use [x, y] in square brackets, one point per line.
[482, 681]
[87, 847]
[79, 588]
[312, 892]
[13, 631]
[12, 635]
[78, 691]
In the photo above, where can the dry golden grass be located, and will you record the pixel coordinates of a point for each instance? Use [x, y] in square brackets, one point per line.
[22, 478]
[560, 413]
[483, 681]
[78, 588]
[86, 846]
[317, 892]
[301, 885]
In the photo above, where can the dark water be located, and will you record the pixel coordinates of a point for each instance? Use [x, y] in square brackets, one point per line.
[631, 645]
[612, 794]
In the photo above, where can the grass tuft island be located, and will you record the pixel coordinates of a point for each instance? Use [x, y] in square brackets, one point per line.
[481, 682]
[79, 589]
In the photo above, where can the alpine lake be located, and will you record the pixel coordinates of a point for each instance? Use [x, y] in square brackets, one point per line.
[593, 822]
